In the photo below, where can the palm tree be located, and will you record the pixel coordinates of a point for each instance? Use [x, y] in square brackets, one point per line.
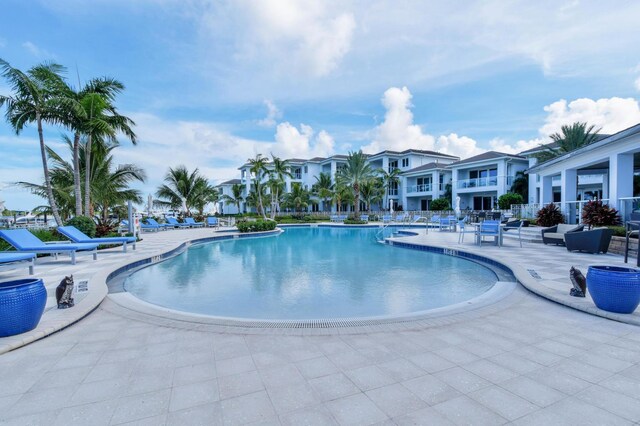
[356, 171]
[569, 139]
[281, 169]
[237, 189]
[372, 191]
[254, 198]
[342, 194]
[299, 198]
[102, 121]
[323, 189]
[520, 185]
[259, 169]
[106, 87]
[38, 96]
[389, 179]
[184, 188]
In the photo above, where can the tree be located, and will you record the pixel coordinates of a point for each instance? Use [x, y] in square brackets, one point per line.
[299, 198]
[520, 185]
[506, 200]
[342, 194]
[440, 204]
[258, 167]
[184, 189]
[78, 120]
[237, 189]
[372, 191]
[253, 199]
[281, 169]
[356, 171]
[37, 97]
[389, 179]
[323, 189]
[569, 139]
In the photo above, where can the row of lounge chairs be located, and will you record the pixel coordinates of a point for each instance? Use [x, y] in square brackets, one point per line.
[172, 223]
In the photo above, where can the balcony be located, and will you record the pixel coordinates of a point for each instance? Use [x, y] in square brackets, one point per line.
[478, 182]
[392, 191]
[419, 188]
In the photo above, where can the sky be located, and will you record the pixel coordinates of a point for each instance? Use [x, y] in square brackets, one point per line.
[212, 83]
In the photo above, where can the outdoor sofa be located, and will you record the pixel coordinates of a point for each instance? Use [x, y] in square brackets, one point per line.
[593, 241]
[556, 234]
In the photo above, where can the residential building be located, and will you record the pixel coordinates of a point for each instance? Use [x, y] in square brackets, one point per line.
[480, 180]
[224, 188]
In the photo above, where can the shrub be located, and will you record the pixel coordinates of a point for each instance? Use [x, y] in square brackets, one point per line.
[549, 215]
[596, 213]
[351, 221]
[506, 200]
[440, 204]
[84, 224]
[256, 226]
[620, 231]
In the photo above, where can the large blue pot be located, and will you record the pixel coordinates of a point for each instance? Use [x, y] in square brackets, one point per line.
[614, 288]
[22, 303]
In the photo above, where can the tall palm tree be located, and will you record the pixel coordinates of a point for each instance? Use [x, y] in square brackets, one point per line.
[102, 121]
[372, 191]
[389, 179]
[106, 87]
[237, 189]
[259, 169]
[323, 189]
[280, 170]
[182, 187]
[254, 198]
[37, 97]
[342, 194]
[355, 172]
[569, 139]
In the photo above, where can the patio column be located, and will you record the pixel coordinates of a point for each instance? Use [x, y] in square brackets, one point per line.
[546, 189]
[454, 185]
[569, 193]
[334, 169]
[403, 188]
[620, 178]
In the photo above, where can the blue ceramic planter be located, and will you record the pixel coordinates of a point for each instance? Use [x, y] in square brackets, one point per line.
[22, 303]
[614, 289]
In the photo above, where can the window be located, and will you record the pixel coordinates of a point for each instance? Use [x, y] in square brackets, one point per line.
[393, 188]
[405, 162]
[296, 173]
[393, 165]
[306, 169]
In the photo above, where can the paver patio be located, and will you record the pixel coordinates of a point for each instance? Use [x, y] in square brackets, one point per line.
[522, 360]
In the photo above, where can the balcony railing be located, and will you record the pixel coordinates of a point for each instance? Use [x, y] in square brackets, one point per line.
[478, 182]
[426, 187]
[392, 191]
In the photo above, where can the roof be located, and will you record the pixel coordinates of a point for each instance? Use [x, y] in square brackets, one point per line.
[417, 151]
[606, 140]
[489, 155]
[552, 145]
[428, 166]
[296, 160]
[317, 159]
[231, 182]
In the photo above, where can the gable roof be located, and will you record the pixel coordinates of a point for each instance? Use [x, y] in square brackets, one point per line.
[231, 182]
[428, 166]
[417, 151]
[552, 145]
[489, 155]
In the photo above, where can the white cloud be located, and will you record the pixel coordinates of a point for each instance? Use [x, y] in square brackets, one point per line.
[609, 114]
[36, 51]
[637, 84]
[273, 113]
[460, 146]
[501, 145]
[291, 142]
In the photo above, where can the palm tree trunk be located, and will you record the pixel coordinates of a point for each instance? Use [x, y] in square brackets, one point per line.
[357, 205]
[87, 178]
[76, 173]
[47, 177]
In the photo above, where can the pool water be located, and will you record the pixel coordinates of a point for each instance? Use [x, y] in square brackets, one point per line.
[309, 273]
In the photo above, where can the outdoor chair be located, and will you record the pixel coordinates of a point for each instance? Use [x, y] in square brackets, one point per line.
[593, 241]
[192, 223]
[514, 226]
[152, 224]
[435, 219]
[213, 222]
[172, 221]
[448, 222]
[490, 228]
[386, 218]
[342, 218]
[556, 234]
[464, 228]
[25, 241]
[334, 218]
[9, 260]
[364, 217]
[77, 236]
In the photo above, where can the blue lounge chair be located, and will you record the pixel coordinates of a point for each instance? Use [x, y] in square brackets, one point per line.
[9, 260]
[386, 218]
[77, 236]
[490, 228]
[192, 223]
[152, 224]
[447, 222]
[364, 217]
[23, 240]
[435, 219]
[342, 218]
[213, 222]
[172, 221]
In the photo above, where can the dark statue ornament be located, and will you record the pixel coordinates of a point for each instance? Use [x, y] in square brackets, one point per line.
[579, 283]
[64, 291]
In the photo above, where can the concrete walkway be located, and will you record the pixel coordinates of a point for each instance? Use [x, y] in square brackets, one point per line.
[523, 360]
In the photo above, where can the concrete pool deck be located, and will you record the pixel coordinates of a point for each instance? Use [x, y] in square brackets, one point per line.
[522, 359]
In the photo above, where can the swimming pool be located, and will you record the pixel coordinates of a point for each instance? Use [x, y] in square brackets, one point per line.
[308, 273]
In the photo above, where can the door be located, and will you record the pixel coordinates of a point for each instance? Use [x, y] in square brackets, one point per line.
[424, 204]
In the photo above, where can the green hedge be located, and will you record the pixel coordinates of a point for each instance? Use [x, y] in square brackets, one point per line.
[440, 204]
[354, 222]
[257, 226]
[84, 224]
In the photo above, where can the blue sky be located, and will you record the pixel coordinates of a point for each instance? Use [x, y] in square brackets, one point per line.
[210, 84]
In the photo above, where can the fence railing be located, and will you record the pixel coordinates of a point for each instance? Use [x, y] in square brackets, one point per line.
[425, 187]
